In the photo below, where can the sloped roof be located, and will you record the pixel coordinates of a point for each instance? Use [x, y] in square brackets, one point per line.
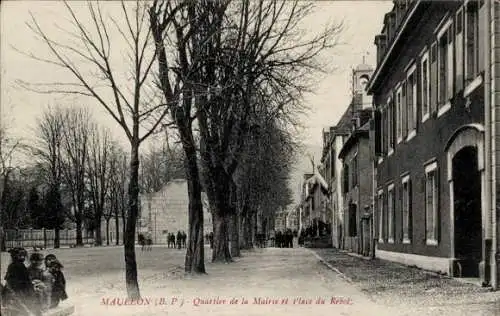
[318, 179]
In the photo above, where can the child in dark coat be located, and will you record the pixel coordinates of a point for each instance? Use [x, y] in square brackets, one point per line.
[59, 282]
[19, 291]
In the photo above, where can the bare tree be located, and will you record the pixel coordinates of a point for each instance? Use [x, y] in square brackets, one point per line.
[89, 56]
[117, 186]
[8, 148]
[153, 170]
[250, 58]
[48, 150]
[76, 134]
[169, 25]
[98, 176]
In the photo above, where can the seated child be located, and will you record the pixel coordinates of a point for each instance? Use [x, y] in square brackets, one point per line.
[42, 280]
[59, 286]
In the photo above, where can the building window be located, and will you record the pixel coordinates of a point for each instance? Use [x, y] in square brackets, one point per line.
[459, 50]
[431, 204]
[404, 109]
[391, 213]
[407, 206]
[346, 178]
[383, 129]
[399, 113]
[333, 165]
[472, 40]
[433, 78]
[381, 216]
[354, 167]
[411, 102]
[352, 220]
[390, 125]
[380, 136]
[445, 66]
[425, 86]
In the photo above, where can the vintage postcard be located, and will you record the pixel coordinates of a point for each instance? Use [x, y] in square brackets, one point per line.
[249, 157]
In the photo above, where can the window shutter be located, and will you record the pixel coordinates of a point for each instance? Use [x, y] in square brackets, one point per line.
[433, 78]
[404, 109]
[481, 39]
[450, 78]
[410, 211]
[401, 214]
[378, 132]
[459, 51]
[418, 98]
[393, 123]
[438, 203]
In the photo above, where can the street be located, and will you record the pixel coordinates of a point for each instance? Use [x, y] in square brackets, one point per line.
[273, 281]
[269, 281]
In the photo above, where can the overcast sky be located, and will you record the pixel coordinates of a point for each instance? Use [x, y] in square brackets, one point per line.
[363, 20]
[20, 108]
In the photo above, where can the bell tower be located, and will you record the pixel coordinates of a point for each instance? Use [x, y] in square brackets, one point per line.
[360, 77]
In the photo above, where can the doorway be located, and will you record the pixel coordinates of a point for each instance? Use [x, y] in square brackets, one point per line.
[467, 206]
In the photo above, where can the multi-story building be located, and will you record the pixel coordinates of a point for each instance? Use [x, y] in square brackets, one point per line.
[333, 142]
[433, 89]
[315, 216]
[357, 184]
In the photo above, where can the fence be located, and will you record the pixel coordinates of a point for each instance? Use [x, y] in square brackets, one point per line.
[44, 238]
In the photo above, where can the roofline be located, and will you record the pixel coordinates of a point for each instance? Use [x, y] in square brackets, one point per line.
[350, 141]
[369, 88]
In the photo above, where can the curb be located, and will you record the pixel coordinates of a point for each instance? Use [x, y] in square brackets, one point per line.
[323, 261]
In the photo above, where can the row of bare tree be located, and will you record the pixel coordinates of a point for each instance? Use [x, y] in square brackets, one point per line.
[227, 76]
[74, 172]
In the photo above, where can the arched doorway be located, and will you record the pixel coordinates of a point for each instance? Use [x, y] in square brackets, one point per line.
[467, 208]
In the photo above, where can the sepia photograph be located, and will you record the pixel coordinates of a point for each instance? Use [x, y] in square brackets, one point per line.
[249, 157]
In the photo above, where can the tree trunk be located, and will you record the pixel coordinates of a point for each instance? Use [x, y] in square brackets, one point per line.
[117, 229]
[107, 231]
[130, 227]
[243, 241]
[98, 233]
[57, 237]
[220, 252]
[246, 227]
[124, 227]
[79, 236]
[235, 234]
[253, 227]
[195, 252]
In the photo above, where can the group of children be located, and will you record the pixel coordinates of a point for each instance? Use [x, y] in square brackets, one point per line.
[36, 288]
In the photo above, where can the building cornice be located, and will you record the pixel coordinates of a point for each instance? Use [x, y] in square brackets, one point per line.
[388, 53]
[352, 140]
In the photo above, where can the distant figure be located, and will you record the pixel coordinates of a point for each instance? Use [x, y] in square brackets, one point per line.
[184, 237]
[149, 244]
[178, 239]
[171, 240]
[141, 239]
[261, 240]
[289, 238]
[211, 239]
[279, 239]
[19, 295]
[59, 284]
